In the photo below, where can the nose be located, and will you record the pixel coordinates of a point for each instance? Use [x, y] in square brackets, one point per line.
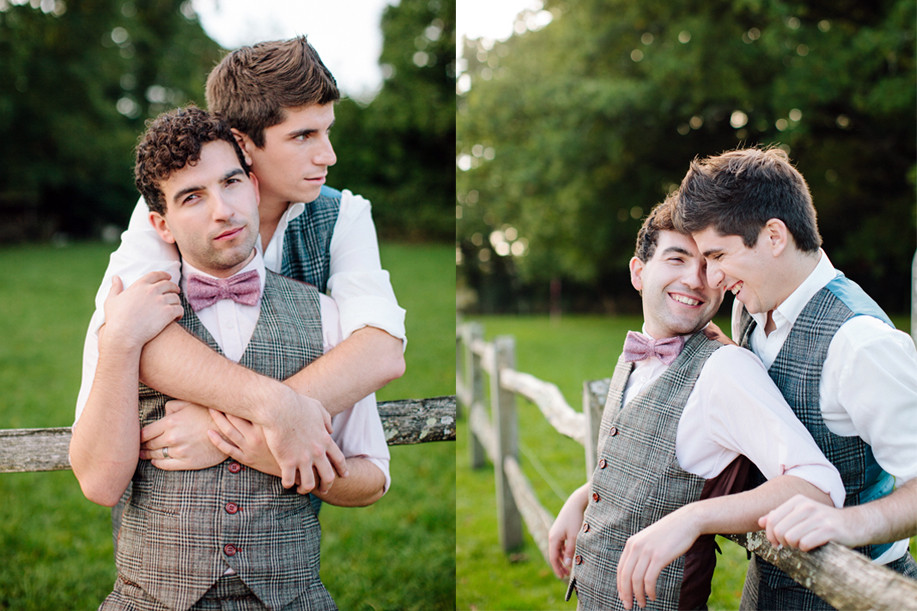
[220, 209]
[325, 154]
[694, 277]
[715, 276]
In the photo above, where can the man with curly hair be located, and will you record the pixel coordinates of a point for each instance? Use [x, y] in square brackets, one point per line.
[226, 532]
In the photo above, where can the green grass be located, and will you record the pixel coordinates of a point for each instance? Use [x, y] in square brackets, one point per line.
[397, 554]
[565, 352]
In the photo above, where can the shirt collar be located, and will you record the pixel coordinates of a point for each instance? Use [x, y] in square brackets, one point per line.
[792, 306]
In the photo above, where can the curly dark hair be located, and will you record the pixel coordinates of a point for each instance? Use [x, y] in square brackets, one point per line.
[659, 219]
[171, 141]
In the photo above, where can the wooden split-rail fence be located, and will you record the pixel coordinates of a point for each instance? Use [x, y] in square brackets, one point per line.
[843, 578]
[406, 422]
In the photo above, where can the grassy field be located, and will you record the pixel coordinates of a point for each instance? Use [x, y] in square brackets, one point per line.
[566, 353]
[397, 554]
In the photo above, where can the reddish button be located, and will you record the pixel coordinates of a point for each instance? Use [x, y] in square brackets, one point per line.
[585, 527]
[595, 497]
[234, 467]
[578, 559]
[231, 508]
[230, 550]
[602, 463]
[613, 431]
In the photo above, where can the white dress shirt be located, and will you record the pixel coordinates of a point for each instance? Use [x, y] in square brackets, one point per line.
[357, 431]
[868, 383]
[732, 404]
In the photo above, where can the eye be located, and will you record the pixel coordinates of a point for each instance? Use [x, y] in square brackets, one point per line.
[190, 198]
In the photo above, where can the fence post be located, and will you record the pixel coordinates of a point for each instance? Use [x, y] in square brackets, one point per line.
[474, 381]
[507, 443]
[593, 405]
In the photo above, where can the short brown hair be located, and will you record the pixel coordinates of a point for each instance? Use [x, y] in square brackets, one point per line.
[659, 219]
[173, 140]
[251, 86]
[738, 191]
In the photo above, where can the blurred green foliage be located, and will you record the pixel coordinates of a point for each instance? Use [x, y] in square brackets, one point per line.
[81, 78]
[570, 132]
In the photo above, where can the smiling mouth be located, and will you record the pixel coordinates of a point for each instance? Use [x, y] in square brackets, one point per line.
[688, 301]
[735, 288]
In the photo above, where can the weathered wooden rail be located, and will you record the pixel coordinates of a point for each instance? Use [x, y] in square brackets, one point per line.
[406, 422]
[840, 576]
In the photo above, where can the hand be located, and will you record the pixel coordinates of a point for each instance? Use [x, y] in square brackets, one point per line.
[648, 552]
[139, 313]
[715, 333]
[299, 437]
[183, 430]
[562, 536]
[806, 524]
[243, 441]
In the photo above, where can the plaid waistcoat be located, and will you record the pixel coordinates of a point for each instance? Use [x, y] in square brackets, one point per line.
[637, 480]
[797, 372]
[307, 240]
[181, 529]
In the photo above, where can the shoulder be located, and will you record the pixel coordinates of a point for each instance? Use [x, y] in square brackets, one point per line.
[285, 283]
[866, 333]
[734, 364]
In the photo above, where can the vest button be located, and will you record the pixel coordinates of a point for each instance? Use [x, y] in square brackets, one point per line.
[578, 559]
[602, 463]
[234, 467]
[231, 508]
[585, 527]
[613, 431]
[595, 497]
[230, 550]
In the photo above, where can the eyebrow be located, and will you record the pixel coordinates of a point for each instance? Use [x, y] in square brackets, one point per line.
[712, 251]
[177, 197]
[676, 249]
[308, 131]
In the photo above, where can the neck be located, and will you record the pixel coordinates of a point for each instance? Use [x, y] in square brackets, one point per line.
[270, 211]
[799, 267]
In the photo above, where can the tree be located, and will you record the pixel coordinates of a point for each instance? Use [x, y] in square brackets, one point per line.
[84, 77]
[572, 132]
[398, 150]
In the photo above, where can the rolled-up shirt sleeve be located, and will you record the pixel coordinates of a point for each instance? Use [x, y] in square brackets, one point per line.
[358, 430]
[360, 287]
[736, 408]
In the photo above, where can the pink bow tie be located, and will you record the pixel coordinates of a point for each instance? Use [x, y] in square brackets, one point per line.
[638, 346]
[203, 291]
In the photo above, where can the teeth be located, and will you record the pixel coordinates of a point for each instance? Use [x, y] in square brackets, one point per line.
[686, 300]
[737, 287]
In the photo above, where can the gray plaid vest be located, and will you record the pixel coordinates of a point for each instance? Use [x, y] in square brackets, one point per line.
[637, 480]
[181, 529]
[797, 372]
[307, 240]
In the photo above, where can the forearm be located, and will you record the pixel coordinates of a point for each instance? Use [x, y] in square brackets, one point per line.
[105, 444]
[362, 364]
[885, 520]
[739, 513]
[207, 378]
[364, 485]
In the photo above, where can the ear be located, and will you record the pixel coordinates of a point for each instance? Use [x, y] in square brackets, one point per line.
[777, 236]
[636, 273]
[245, 143]
[159, 223]
[254, 179]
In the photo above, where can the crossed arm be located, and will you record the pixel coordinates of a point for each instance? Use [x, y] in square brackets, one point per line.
[649, 551]
[293, 414]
